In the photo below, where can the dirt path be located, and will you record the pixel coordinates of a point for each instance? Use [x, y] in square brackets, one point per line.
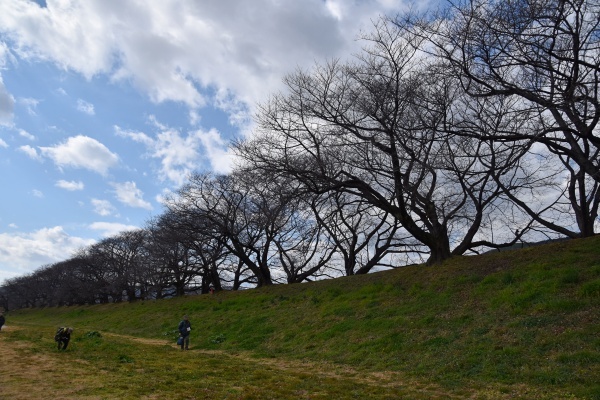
[383, 378]
[324, 369]
[25, 374]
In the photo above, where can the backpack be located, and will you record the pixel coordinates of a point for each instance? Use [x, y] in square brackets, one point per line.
[59, 334]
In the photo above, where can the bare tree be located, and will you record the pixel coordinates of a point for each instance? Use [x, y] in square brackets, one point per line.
[303, 250]
[92, 278]
[378, 129]
[119, 259]
[364, 236]
[231, 216]
[546, 54]
[175, 268]
[18, 293]
[189, 258]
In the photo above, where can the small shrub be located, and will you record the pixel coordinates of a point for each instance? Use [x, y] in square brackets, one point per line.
[171, 333]
[590, 289]
[582, 358]
[220, 338]
[508, 279]
[570, 277]
[437, 342]
[125, 359]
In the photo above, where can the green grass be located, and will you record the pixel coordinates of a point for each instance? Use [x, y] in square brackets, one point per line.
[516, 324]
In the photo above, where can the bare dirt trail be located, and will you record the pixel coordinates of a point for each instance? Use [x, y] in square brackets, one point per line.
[324, 369]
[384, 378]
[25, 374]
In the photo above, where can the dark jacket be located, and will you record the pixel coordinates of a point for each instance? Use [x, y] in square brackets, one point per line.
[63, 336]
[183, 328]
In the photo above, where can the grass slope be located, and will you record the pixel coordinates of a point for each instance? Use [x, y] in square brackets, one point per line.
[519, 324]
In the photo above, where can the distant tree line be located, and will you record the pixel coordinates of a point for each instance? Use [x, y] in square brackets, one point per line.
[452, 132]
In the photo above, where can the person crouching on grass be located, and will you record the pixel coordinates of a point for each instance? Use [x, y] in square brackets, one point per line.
[63, 337]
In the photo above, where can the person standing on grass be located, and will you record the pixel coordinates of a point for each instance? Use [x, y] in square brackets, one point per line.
[2, 320]
[184, 332]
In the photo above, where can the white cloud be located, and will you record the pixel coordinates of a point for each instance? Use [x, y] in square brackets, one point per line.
[128, 193]
[195, 118]
[14, 226]
[175, 49]
[335, 8]
[63, 32]
[26, 135]
[85, 107]
[7, 101]
[109, 229]
[69, 185]
[220, 156]
[156, 123]
[103, 207]
[179, 153]
[38, 193]
[3, 144]
[164, 196]
[30, 151]
[24, 252]
[136, 136]
[30, 105]
[4, 54]
[82, 152]
[7, 105]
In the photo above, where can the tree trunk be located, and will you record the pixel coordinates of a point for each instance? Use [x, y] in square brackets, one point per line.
[439, 247]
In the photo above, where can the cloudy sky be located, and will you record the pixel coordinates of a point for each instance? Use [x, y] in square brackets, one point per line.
[107, 105]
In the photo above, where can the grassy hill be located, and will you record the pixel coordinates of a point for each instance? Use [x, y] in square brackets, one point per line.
[516, 324]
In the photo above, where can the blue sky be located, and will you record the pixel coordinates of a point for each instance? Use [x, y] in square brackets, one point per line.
[107, 105]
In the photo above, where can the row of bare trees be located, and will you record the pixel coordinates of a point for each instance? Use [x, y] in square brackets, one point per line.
[224, 232]
[470, 128]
